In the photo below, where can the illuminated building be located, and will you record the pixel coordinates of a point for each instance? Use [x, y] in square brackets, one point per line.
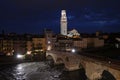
[73, 34]
[39, 43]
[63, 23]
[48, 38]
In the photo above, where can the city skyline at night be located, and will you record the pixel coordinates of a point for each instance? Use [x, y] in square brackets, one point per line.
[59, 39]
[34, 16]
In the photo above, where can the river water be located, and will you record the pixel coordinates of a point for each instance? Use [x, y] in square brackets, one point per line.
[38, 71]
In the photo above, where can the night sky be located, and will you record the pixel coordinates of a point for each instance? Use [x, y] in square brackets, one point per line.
[32, 16]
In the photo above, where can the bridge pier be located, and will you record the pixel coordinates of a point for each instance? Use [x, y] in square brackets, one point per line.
[93, 71]
[71, 67]
[93, 76]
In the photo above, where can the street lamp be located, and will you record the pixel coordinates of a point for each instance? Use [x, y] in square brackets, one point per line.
[73, 50]
[28, 52]
[19, 56]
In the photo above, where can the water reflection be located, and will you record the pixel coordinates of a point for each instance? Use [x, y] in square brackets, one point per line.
[38, 71]
[74, 75]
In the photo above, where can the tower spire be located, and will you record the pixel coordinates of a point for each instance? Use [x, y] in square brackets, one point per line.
[63, 22]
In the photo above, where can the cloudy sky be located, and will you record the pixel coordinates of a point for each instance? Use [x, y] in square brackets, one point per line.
[33, 16]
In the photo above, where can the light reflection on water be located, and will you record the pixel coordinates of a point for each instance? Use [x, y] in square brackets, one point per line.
[38, 71]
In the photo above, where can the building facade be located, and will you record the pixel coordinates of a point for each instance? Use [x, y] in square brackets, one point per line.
[39, 43]
[48, 39]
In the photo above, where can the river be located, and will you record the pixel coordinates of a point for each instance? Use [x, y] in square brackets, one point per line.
[38, 71]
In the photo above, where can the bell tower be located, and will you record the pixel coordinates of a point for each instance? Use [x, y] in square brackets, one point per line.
[63, 23]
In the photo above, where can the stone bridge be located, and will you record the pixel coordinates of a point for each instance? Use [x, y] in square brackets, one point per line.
[95, 69]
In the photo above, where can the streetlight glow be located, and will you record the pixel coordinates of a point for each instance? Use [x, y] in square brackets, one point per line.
[19, 56]
[28, 52]
[73, 50]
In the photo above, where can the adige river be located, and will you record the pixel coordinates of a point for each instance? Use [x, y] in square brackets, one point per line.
[38, 71]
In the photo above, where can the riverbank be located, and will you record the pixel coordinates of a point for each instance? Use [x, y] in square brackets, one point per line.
[14, 60]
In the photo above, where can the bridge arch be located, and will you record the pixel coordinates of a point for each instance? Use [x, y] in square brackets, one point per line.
[49, 57]
[106, 75]
[81, 66]
[55, 59]
[60, 60]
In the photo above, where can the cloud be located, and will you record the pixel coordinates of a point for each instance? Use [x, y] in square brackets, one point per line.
[106, 22]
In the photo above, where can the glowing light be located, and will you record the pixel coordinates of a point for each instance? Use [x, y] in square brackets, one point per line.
[41, 50]
[20, 56]
[13, 51]
[49, 48]
[19, 67]
[73, 50]
[49, 42]
[8, 54]
[117, 45]
[118, 39]
[28, 52]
